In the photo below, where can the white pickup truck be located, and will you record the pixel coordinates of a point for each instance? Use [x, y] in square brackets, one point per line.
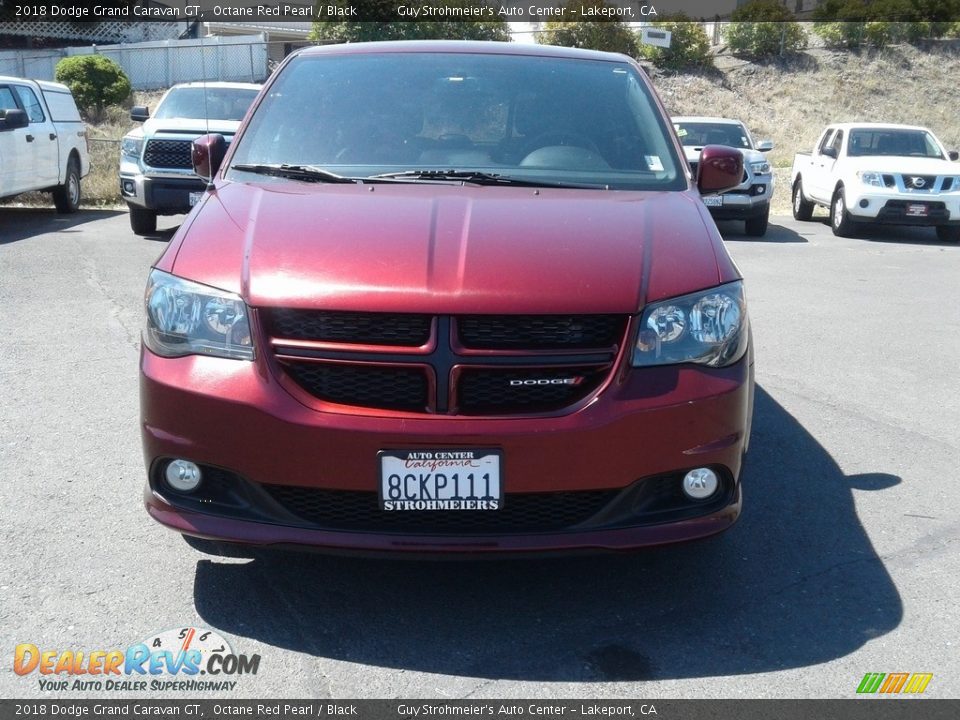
[879, 173]
[43, 141]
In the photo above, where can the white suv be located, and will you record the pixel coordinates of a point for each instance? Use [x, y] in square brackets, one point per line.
[749, 201]
[156, 171]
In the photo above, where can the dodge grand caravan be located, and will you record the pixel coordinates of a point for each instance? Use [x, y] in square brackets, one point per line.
[449, 297]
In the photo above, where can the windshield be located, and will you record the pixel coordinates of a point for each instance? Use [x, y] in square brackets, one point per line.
[584, 123]
[214, 103]
[892, 141]
[699, 134]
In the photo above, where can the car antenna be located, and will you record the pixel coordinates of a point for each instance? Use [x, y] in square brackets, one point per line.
[206, 111]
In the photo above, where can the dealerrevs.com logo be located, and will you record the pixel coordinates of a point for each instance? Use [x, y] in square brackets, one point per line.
[894, 683]
[183, 659]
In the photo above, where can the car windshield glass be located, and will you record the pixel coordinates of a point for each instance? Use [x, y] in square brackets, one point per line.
[893, 141]
[582, 123]
[705, 133]
[214, 103]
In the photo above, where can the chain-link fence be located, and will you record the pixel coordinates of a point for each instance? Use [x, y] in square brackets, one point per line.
[157, 65]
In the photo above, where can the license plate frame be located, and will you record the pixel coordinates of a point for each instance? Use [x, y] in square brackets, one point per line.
[713, 200]
[440, 479]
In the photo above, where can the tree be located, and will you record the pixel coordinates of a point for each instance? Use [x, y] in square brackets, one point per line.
[380, 23]
[851, 23]
[610, 35]
[764, 28]
[689, 45]
[95, 81]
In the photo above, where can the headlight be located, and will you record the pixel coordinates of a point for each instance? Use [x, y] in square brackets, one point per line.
[709, 327]
[131, 146]
[760, 168]
[186, 318]
[868, 177]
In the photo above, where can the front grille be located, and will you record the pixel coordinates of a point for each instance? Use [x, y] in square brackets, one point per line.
[394, 329]
[169, 154]
[510, 390]
[391, 388]
[925, 183]
[539, 332]
[360, 511]
[467, 364]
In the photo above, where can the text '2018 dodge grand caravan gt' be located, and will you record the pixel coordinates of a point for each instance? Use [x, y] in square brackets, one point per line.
[449, 297]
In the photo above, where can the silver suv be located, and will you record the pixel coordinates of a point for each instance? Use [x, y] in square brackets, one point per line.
[156, 171]
[749, 201]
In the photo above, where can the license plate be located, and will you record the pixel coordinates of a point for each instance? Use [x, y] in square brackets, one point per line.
[447, 479]
[195, 198]
[917, 210]
[713, 200]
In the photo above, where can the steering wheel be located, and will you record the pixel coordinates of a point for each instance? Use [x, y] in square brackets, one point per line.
[565, 138]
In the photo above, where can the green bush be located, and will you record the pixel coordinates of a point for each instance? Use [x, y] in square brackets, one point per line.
[851, 23]
[763, 28]
[610, 36]
[96, 81]
[689, 45]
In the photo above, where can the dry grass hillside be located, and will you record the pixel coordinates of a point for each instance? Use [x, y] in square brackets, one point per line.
[790, 102]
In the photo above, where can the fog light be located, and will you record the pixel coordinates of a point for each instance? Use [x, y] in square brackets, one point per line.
[183, 475]
[864, 202]
[700, 484]
[128, 187]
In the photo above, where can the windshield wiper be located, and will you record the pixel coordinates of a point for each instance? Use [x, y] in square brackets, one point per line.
[478, 177]
[307, 173]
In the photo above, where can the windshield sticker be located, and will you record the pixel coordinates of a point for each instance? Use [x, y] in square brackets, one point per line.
[653, 162]
[681, 132]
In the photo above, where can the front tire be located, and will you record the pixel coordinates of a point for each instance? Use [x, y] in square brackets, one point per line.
[948, 233]
[802, 208]
[840, 221]
[66, 197]
[757, 226]
[143, 221]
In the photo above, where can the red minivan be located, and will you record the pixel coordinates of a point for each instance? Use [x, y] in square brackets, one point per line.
[449, 297]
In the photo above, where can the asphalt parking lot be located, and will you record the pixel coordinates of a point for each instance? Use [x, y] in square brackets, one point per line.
[839, 566]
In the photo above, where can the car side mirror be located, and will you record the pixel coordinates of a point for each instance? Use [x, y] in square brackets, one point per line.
[207, 154]
[720, 169]
[829, 152]
[953, 155]
[139, 113]
[13, 119]
[765, 145]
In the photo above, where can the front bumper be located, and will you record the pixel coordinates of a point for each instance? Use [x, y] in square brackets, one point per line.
[646, 425]
[868, 204]
[750, 200]
[166, 194]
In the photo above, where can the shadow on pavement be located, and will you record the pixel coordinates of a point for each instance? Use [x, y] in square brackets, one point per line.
[899, 234]
[23, 223]
[733, 230]
[795, 583]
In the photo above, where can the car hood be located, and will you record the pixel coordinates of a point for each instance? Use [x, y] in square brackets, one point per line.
[902, 165]
[449, 248]
[191, 126]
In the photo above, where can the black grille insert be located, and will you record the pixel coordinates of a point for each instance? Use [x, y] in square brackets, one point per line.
[392, 388]
[539, 332]
[521, 512]
[169, 154]
[519, 390]
[394, 329]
